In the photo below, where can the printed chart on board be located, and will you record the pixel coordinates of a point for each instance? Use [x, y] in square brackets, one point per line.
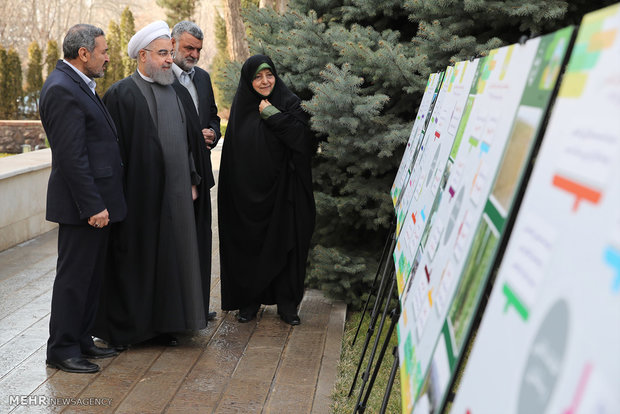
[471, 169]
[525, 133]
[428, 172]
[404, 199]
[415, 138]
[549, 340]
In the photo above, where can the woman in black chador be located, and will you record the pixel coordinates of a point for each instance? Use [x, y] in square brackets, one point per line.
[265, 202]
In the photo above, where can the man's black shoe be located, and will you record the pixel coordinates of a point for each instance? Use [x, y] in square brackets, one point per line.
[76, 365]
[97, 353]
[245, 317]
[166, 339]
[290, 318]
[118, 347]
[211, 316]
[248, 313]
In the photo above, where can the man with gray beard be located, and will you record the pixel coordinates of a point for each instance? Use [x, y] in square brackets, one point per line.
[153, 289]
[193, 86]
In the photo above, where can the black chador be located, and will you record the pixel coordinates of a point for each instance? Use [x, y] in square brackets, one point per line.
[265, 203]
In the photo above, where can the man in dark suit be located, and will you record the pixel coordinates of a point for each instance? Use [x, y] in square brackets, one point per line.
[193, 86]
[84, 195]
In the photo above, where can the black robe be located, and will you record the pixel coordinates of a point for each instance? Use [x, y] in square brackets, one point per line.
[266, 206]
[202, 205]
[141, 296]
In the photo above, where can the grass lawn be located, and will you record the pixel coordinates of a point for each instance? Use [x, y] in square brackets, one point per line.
[348, 365]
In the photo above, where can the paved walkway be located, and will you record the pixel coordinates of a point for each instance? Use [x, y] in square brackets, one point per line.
[264, 366]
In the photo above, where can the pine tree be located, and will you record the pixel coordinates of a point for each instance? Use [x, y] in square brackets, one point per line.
[34, 81]
[223, 95]
[114, 71]
[177, 10]
[3, 82]
[10, 83]
[51, 57]
[127, 30]
[34, 74]
[361, 67]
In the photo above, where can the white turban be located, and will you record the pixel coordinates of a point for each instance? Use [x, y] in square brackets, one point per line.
[145, 36]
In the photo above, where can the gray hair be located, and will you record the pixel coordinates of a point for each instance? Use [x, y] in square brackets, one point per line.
[186, 26]
[78, 36]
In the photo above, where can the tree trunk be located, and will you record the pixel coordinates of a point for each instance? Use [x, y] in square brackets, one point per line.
[278, 5]
[281, 6]
[237, 46]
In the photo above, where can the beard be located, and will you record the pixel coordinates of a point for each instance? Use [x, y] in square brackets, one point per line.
[95, 72]
[186, 63]
[162, 74]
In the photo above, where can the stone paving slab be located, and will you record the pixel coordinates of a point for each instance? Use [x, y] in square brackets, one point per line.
[264, 366]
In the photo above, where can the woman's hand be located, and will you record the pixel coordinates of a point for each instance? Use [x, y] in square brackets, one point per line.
[263, 104]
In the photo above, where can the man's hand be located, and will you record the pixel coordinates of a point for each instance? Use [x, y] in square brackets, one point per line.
[209, 136]
[100, 219]
[194, 193]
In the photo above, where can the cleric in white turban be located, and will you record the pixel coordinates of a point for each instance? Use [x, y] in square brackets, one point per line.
[153, 288]
[145, 36]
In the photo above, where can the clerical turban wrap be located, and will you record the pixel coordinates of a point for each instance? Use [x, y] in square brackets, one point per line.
[145, 36]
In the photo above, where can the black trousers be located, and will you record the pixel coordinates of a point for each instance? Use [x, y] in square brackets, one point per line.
[82, 253]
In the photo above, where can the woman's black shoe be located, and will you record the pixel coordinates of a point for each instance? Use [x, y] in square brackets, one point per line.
[290, 318]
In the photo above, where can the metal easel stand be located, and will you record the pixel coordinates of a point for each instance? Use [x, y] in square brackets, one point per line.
[386, 255]
[388, 270]
[360, 407]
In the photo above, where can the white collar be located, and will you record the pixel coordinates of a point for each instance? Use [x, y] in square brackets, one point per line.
[146, 78]
[90, 82]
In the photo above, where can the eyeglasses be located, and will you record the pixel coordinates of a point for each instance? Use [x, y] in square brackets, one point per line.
[163, 52]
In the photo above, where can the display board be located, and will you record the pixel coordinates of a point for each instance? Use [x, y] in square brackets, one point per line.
[415, 138]
[549, 340]
[472, 281]
[427, 173]
[496, 103]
